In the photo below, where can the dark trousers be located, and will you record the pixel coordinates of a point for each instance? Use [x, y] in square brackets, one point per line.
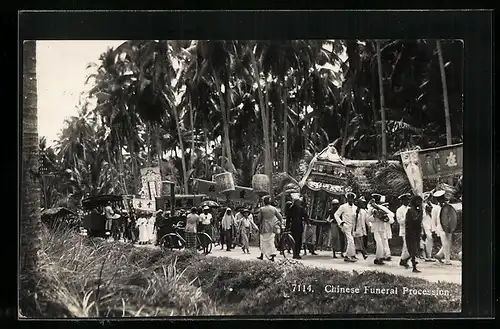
[342, 241]
[222, 236]
[297, 236]
[229, 239]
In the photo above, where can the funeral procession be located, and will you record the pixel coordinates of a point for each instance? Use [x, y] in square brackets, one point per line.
[316, 154]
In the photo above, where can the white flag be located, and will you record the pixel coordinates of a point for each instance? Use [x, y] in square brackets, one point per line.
[411, 164]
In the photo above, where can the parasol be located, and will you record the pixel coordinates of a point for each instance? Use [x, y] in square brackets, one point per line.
[209, 203]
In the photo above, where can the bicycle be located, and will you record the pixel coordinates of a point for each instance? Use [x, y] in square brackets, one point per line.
[176, 240]
[284, 242]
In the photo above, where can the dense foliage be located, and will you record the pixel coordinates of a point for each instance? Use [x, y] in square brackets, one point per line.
[202, 107]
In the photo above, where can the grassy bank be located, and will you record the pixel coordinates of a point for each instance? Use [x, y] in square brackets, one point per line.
[89, 278]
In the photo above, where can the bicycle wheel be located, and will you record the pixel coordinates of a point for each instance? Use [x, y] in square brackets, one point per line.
[172, 241]
[204, 242]
[287, 243]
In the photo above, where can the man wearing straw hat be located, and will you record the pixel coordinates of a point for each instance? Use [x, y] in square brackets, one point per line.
[401, 218]
[345, 217]
[206, 221]
[381, 218]
[388, 226]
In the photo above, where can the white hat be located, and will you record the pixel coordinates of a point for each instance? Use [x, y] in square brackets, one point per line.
[362, 198]
[350, 193]
[295, 196]
[335, 201]
[438, 194]
[206, 208]
[404, 195]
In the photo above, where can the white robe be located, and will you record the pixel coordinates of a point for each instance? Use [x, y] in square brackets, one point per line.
[151, 229]
[142, 224]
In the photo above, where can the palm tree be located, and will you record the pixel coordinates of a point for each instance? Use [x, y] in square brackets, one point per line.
[445, 92]
[29, 224]
[382, 102]
[264, 115]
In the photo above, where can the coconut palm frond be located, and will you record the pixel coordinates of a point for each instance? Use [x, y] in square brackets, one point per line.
[284, 180]
[391, 179]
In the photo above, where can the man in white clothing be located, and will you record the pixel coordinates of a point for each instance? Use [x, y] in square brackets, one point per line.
[379, 216]
[444, 252]
[345, 217]
[401, 218]
[388, 221]
[206, 221]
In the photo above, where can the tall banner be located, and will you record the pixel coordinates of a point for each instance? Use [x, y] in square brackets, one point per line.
[151, 183]
[442, 161]
[411, 164]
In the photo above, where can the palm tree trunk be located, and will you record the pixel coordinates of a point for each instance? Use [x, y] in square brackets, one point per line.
[181, 146]
[159, 149]
[285, 135]
[271, 132]
[285, 130]
[445, 98]
[191, 123]
[344, 133]
[148, 143]
[374, 108]
[265, 123]
[207, 164]
[121, 164]
[382, 102]
[225, 123]
[445, 93]
[135, 165]
[29, 224]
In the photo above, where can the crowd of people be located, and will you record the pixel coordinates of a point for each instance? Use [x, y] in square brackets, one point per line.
[350, 224]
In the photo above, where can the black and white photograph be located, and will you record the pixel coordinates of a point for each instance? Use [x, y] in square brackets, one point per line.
[168, 178]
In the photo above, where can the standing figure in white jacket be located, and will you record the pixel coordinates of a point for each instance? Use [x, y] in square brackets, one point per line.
[380, 216]
[401, 218]
[346, 217]
[444, 252]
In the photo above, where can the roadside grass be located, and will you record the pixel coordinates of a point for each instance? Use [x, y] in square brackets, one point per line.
[84, 277]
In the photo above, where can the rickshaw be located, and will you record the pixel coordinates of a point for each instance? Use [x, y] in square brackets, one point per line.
[94, 219]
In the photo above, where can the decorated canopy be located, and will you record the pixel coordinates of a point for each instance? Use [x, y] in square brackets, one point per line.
[329, 172]
[326, 172]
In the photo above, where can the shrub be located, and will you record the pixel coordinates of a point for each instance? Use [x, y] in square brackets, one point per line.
[85, 277]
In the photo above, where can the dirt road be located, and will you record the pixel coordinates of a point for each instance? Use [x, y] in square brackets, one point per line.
[430, 271]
